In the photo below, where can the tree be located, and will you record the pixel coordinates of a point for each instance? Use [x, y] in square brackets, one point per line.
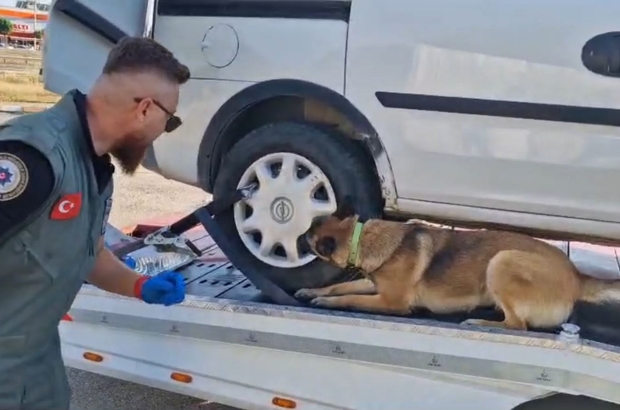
[38, 34]
[6, 26]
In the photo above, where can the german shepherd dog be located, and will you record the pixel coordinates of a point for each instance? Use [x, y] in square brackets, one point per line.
[409, 265]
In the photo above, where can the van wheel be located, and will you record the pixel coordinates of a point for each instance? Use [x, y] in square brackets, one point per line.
[302, 171]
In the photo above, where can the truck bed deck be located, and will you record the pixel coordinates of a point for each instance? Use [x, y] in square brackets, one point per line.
[227, 336]
[214, 277]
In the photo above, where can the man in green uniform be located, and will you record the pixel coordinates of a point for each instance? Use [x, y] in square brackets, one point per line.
[55, 197]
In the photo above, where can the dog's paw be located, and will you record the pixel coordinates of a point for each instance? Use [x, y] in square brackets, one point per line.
[322, 301]
[306, 294]
[473, 322]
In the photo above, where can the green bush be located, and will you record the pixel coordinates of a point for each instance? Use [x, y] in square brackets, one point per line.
[6, 26]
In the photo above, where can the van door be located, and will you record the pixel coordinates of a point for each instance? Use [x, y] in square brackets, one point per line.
[511, 105]
[79, 35]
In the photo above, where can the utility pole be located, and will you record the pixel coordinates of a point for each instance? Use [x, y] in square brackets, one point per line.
[34, 34]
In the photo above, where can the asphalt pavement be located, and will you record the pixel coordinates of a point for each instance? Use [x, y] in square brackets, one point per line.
[144, 195]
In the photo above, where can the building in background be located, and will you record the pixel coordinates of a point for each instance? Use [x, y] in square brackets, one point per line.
[27, 16]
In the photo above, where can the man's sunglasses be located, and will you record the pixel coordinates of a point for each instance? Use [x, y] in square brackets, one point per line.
[173, 121]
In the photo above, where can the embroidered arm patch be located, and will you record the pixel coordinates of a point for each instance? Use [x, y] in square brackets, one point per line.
[26, 182]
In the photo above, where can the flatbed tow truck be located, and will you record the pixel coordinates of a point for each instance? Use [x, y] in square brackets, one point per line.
[228, 343]
[432, 93]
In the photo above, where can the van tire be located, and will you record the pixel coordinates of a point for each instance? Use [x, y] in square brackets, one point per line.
[342, 160]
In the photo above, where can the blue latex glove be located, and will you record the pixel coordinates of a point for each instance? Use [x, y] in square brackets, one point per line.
[166, 288]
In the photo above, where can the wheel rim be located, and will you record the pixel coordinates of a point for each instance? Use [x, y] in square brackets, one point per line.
[291, 192]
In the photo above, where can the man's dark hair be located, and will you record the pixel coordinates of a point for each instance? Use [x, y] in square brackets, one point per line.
[136, 54]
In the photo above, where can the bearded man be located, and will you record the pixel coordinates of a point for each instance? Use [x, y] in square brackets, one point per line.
[55, 197]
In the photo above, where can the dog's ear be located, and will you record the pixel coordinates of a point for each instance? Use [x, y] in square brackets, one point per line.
[345, 208]
[326, 246]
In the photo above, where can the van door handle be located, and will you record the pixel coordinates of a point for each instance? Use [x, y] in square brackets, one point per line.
[601, 54]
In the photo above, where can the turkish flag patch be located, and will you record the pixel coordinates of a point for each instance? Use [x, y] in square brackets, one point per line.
[67, 207]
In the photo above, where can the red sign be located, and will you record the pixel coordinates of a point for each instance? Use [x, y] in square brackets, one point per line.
[22, 28]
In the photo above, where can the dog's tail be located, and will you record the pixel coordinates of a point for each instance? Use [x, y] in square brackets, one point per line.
[595, 290]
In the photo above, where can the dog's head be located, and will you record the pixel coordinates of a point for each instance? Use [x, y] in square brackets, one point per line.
[329, 237]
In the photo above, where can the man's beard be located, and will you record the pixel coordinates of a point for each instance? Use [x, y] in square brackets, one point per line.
[129, 155]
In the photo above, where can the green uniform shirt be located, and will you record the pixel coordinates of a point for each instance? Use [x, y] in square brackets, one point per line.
[46, 258]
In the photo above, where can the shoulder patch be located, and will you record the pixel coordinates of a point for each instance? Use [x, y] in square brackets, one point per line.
[13, 176]
[67, 207]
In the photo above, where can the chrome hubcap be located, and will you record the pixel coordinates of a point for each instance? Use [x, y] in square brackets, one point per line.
[291, 192]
